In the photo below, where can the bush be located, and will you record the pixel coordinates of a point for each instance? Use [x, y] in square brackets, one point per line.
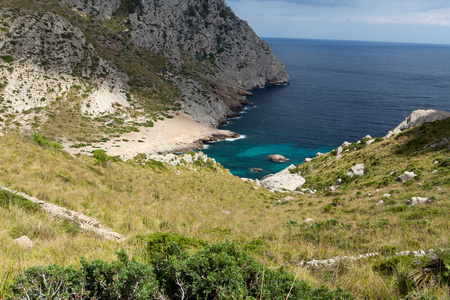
[42, 141]
[217, 271]
[122, 279]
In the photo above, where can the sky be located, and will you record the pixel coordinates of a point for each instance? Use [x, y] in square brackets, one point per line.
[410, 21]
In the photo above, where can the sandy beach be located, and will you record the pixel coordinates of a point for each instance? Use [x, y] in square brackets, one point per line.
[178, 134]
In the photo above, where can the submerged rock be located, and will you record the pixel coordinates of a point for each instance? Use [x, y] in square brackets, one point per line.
[277, 158]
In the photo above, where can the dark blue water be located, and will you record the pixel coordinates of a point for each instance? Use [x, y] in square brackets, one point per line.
[340, 91]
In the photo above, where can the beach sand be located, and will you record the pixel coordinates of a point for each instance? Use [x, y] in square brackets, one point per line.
[178, 134]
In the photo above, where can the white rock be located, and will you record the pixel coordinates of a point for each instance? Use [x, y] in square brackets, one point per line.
[177, 173]
[418, 200]
[308, 159]
[345, 144]
[333, 188]
[387, 195]
[406, 176]
[319, 154]
[391, 133]
[356, 170]
[288, 198]
[367, 137]
[24, 241]
[422, 116]
[283, 180]
[434, 171]
[381, 202]
[339, 151]
[225, 212]
[369, 142]
[435, 162]
[309, 220]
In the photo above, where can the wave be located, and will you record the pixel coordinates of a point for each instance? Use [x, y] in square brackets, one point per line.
[241, 137]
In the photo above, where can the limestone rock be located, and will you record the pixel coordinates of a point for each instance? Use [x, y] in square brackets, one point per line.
[422, 116]
[355, 170]
[24, 241]
[277, 158]
[256, 170]
[387, 195]
[406, 176]
[418, 200]
[319, 154]
[308, 159]
[381, 202]
[283, 180]
[309, 220]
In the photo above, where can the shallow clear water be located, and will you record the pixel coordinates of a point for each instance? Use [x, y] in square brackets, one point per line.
[339, 91]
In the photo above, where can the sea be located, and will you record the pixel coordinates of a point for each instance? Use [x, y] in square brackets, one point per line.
[339, 91]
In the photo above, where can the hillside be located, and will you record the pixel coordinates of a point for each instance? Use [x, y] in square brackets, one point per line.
[86, 72]
[203, 201]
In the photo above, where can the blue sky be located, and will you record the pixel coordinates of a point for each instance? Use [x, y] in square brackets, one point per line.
[415, 21]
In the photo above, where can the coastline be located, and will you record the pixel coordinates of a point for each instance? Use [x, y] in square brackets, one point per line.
[181, 133]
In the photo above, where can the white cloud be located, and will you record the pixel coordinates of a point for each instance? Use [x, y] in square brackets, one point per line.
[290, 17]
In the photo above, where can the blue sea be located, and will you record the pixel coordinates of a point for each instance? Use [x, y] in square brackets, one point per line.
[339, 91]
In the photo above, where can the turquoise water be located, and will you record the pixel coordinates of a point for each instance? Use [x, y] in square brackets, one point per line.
[339, 91]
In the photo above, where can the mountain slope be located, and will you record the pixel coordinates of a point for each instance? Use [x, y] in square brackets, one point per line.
[117, 65]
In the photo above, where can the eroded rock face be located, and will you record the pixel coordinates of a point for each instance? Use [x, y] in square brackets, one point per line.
[283, 180]
[226, 50]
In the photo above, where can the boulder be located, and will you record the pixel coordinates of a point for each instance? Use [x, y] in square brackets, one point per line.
[24, 241]
[319, 154]
[277, 158]
[356, 170]
[418, 200]
[308, 159]
[369, 142]
[283, 180]
[422, 116]
[391, 133]
[309, 220]
[339, 151]
[256, 170]
[345, 144]
[406, 176]
[381, 202]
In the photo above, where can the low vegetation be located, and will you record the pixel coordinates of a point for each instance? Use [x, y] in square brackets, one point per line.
[205, 206]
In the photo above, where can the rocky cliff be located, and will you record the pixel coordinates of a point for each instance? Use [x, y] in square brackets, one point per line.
[115, 62]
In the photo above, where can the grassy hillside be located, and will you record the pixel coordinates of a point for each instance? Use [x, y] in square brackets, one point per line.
[207, 203]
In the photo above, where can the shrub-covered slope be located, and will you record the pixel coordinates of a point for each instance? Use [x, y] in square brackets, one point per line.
[204, 201]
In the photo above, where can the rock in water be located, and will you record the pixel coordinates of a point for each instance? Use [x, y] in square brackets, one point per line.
[283, 180]
[277, 158]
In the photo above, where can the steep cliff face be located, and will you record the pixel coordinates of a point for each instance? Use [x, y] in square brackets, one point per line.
[228, 55]
[126, 62]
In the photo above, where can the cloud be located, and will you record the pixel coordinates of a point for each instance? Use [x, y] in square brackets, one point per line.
[337, 19]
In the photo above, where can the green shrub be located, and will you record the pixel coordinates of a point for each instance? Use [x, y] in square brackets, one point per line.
[218, 271]
[221, 271]
[122, 279]
[42, 141]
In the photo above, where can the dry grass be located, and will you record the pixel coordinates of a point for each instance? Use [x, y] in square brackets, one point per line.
[210, 204]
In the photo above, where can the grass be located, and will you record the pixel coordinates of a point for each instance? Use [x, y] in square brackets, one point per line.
[138, 200]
